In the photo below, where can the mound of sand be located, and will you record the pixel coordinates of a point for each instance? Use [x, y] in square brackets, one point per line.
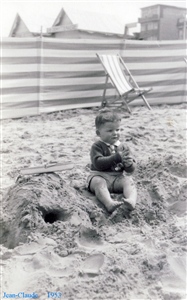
[56, 236]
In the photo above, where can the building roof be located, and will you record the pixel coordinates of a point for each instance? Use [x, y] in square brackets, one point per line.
[92, 21]
[34, 25]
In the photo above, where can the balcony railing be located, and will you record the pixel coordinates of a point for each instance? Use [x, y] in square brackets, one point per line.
[148, 19]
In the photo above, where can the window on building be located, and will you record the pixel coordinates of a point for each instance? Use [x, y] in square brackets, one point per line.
[150, 11]
[152, 26]
[155, 25]
[149, 26]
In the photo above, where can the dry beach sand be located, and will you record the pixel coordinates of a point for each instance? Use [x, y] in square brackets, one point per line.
[56, 237]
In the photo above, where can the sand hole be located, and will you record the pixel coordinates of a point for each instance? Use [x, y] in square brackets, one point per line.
[53, 216]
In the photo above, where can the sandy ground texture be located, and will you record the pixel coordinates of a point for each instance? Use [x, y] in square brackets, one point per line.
[56, 236]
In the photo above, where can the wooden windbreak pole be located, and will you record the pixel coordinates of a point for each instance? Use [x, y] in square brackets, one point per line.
[40, 62]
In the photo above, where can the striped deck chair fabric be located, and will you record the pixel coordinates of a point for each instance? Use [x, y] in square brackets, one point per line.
[113, 68]
[122, 80]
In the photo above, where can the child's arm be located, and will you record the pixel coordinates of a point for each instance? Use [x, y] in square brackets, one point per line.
[128, 161]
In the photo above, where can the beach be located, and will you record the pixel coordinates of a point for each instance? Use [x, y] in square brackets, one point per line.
[57, 238]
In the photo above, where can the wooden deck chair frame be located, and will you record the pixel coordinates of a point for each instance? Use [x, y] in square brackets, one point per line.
[132, 86]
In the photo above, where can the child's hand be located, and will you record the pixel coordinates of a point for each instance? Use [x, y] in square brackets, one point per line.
[126, 157]
[127, 161]
[125, 153]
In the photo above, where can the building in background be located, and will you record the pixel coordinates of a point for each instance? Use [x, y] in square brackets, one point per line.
[132, 31]
[70, 23]
[19, 28]
[182, 28]
[163, 22]
[26, 26]
[157, 22]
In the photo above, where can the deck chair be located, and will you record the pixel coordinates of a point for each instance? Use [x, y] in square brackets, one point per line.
[122, 80]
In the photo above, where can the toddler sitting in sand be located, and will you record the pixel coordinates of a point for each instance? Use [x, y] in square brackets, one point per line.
[110, 159]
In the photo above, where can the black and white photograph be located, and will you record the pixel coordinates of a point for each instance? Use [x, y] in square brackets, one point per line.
[93, 150]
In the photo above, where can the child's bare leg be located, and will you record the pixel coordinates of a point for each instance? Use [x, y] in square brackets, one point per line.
[130, 191]
[99, 187]
[126, 186]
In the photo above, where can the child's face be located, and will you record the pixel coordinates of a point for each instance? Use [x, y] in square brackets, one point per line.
[109, 132]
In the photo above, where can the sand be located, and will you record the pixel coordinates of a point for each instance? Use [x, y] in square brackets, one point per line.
[56, 236]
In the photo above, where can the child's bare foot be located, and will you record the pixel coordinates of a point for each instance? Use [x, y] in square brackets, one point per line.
[128, 203]
[113, 206]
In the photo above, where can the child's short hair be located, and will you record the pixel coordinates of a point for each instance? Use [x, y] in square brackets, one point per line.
[106, 115]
